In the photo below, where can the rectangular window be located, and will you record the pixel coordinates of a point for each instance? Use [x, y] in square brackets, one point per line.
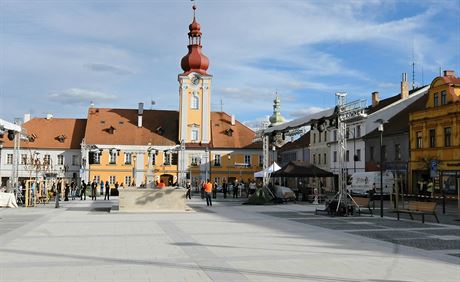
[127, 180]
[60, 159]
[112, 157]
[319, 137]
[247, 160]
[384, 153]
[24, 159]
[97, 158]
[335, 156]
[325, 136]
[153, 158]
[347, 134]
[127, 158]
[397, 152]
[47, 159]
[358, 155]
[419, 140]
[9, 159]
[112, 179]
[195, 101]
[347, 156]
[371, 153]
[447, 136]
[314, 159]
[217, 159]
[167, 159]
[443, 97]
[195, 160]
[97, 179]
[435, 99]
[358, 131]
[335, 135]
[314, 138]
[194, 136]
[325, 158]
[432, 138]
[261, 161]
[75, 160]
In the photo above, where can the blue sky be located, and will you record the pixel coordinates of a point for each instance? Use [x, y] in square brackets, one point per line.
[57, 56]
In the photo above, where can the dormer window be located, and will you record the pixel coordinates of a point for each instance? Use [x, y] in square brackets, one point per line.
[32, 137]
[61, 138]
[229, 132]
[159, 130]
[110, 130]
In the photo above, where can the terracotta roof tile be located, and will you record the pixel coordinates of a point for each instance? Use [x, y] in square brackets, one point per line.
[54, 133]
[119, 127]
[160, 127]
[225, 135]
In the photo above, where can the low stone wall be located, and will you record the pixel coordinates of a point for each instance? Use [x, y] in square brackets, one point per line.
[148, 200]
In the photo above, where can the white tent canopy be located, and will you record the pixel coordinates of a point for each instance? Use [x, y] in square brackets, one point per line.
[272, 168]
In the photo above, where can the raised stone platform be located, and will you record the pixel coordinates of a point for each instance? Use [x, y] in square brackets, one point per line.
[151, 200]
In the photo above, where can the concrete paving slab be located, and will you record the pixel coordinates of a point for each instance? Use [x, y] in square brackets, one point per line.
[228, 242]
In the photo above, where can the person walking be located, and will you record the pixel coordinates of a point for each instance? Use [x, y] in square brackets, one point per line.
[214, 190]
[188, 195]
[58, 194]
[66, 192]
[107, 191]
[93, 190]
[102, 188]
[235, 189]
[208, 191]
[224, 189]
[73, 189]
[83, 190]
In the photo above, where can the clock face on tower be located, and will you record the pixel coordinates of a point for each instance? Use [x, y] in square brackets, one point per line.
[195, 80]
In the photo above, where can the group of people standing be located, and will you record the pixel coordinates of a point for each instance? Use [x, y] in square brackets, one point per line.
[93, 185]
[209, 189]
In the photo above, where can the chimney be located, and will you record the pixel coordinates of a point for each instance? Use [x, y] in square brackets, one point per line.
[26, 117]
[140, 112]
[449, 73]
[375, 98]
[49, 116]
[233, 120]
[404, 86]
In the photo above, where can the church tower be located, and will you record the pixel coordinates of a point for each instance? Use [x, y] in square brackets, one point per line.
[194, 91]
[276, 118]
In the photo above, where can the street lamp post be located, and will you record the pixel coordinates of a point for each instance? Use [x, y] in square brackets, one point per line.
[380, 129]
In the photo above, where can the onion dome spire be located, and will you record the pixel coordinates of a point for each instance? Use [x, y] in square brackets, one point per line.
[194, 61]
[276, 118]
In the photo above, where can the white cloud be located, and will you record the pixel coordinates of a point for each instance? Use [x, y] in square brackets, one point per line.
[98, 67]
[53, 47]
[80, 96]
[301, 112]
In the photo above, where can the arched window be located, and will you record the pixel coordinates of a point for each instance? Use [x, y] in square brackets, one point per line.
[195, 103]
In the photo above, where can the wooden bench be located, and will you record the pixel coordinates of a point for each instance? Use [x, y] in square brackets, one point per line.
[422, 208]
[362, 202]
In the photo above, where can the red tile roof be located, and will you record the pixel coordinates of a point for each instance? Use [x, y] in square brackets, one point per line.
[119, 127]
[225, 135]
[160, 127]
[54, 133]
